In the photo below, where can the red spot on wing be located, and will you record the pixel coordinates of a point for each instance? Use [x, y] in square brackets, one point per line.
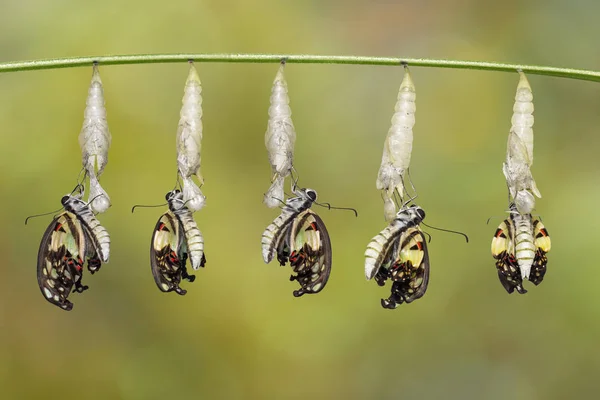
[543, 232]
[313, 226]
[294, 256]
[161, 227]
[420, 245]
[57, 227]
[498, 232]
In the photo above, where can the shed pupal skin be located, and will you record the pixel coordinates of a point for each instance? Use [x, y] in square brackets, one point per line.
[189, 141]
[95, 140]
[397, 148]
[519, 153]
[280, 139]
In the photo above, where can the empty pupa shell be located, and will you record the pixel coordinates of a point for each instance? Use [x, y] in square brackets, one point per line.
[189, 129]
[280, 138]
[398, 142]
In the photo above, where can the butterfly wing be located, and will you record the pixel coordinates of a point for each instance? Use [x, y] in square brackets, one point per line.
[542, 246]
[503, 248]
[408, 268]
[60, 260]
[308, 249]
[168, 254]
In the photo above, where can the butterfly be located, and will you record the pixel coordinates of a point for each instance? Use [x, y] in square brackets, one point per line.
[299, 237]
[519, 246]
[72, 238]
[176, 238]
[399, 253]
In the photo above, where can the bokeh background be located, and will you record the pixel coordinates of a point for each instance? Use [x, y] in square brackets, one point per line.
[239, 333]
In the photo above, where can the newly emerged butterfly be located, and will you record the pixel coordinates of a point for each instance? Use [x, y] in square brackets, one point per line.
[176, 238]
[397, 148]
[298, 236]
[189, 140]
[280, 138]
[72, 238]
[399, 253]
[94, 140]
[519, 151]
[519, 246]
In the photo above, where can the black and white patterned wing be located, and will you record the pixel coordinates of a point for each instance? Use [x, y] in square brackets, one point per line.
[308, 249]
[168, 254]
[60, 260]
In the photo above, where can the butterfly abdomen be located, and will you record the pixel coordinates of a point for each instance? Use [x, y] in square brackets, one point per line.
[193, 237]
[377, 249]
[272, 235]
[524, 243]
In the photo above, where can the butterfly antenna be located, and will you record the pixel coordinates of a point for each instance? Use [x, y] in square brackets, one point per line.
[146, 206]
[41, 215]
[330, 207]
[446, 230]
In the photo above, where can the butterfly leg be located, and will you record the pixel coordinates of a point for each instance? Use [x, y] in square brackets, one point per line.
[186, 275]
[382, 276]
[79, 288]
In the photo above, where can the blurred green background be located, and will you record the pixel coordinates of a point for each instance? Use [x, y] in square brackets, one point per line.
[239, 333]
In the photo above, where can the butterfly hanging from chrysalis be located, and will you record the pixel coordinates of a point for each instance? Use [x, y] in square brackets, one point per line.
[280, 138]
[399, 252]
[298, 235]
[521, 241]
[94, 140]
[73, 238]
[176, 236]
[397, 147]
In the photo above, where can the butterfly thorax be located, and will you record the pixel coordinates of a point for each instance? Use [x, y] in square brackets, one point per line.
[408, 217]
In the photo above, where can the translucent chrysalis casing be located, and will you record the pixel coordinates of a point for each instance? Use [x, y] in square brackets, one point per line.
[519, 152]
[94, 140]
[398, 145]
[189, 139]
[280, 138]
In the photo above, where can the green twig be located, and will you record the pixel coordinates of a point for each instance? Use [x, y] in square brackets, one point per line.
[303, 59]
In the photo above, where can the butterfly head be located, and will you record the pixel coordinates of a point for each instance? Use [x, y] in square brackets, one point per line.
[418, 212]
[310, 194]
[175, 199]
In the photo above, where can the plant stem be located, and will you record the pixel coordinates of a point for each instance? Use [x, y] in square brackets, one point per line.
[302, 59]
